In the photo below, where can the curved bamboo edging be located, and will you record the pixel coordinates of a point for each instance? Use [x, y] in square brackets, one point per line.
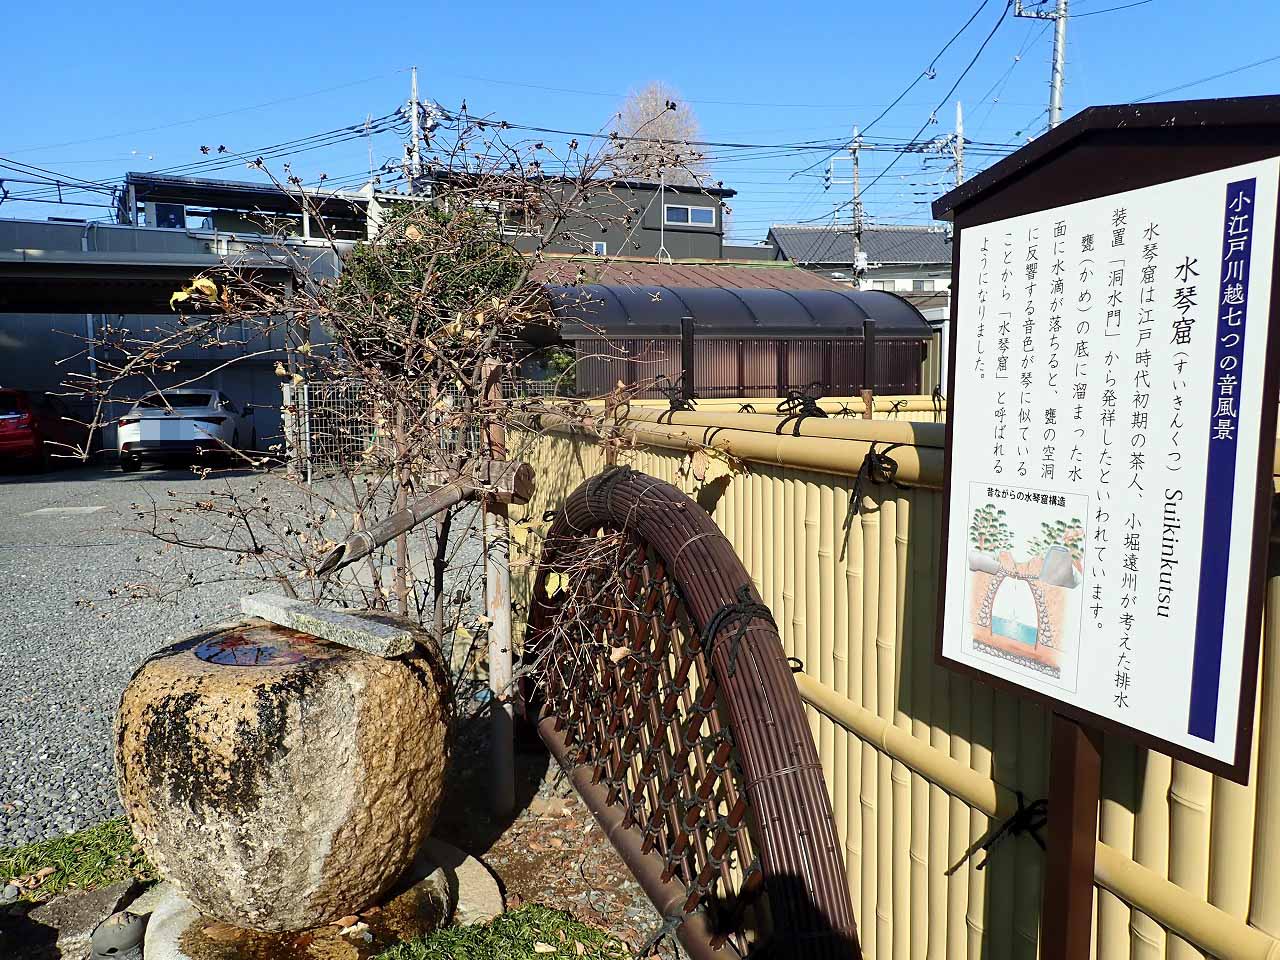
[1180, 911]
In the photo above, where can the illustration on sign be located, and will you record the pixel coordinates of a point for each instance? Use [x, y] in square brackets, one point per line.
[1025, 570]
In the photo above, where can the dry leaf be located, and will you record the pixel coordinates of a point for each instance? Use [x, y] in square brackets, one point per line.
[205, 286]
[698, 464]
[554, 584]
[412, 233]
[540, 947]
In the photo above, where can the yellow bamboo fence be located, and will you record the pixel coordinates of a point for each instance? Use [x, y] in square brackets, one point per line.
[907, 408]
[921, 762]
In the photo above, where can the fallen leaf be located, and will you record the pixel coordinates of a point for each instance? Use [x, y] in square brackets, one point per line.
[540, 947]
[349, 921]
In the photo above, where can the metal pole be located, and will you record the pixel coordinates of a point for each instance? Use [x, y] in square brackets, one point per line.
[958, 149]
[1059, 16]
[415, 160]
[497, 579]
[858, 269]
[1059, 56]
[686, 359]
[868, 368]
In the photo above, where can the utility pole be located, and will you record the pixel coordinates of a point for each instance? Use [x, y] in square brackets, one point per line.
[1059, 53]
[957, 147]
[859, 260]
[415, 159]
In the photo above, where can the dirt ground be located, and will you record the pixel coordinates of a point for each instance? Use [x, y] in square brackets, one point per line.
[552, 852]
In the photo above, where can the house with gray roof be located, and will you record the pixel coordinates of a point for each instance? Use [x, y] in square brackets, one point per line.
[911, 261]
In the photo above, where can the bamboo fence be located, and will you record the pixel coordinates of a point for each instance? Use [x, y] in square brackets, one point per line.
[921, 762]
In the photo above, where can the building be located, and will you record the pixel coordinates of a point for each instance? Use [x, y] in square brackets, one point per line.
[632, 218]
[62, 281]
[748, 341]
[911, 261]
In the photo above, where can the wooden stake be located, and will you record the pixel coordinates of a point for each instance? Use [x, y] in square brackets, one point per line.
[1075, 772]
[497, 571]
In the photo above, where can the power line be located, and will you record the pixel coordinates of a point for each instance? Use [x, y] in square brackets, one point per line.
[1094, 13]
[209, 116]
[928, 71]
[1216, 76]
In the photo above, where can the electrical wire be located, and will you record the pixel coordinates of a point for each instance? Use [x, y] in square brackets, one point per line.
[1216, 76]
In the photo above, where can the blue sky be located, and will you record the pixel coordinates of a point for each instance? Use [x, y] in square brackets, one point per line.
[96, 89]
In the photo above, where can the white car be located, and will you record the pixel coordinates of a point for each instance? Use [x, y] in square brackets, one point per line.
[187, 423]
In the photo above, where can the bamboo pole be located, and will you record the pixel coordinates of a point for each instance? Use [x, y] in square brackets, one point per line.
[841, 630]
[894, 841]
[918, 465]
[958, 829]
[871, 901]
[855, 590]
[919, 549]
[1264, 901]
[766, 545]
[825, 595]
[980, 738]
[808, 576]
[1216, 932]
[905, 860]
[1190, 795]
[787, 624]
[1116, 829]
[940, 740]
[1151, 849]
[1006, 859]
[1231, 836]
[1028, 883]
[885, 431]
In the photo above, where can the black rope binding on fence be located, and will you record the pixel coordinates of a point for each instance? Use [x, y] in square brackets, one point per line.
[674, 392]
[938, 400]
[799, 402]
[1028, 819]
[878, 467]
[744, 610]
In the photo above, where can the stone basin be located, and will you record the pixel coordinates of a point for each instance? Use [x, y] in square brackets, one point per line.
[280, 781]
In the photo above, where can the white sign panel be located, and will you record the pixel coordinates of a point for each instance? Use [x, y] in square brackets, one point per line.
[1108, 407]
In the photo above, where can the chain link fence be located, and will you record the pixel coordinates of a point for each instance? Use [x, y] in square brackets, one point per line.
[336, 424]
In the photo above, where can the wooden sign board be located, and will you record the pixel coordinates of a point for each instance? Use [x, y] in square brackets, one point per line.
[1113, 390]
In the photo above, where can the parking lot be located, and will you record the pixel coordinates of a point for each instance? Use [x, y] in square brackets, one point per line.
[63, 664]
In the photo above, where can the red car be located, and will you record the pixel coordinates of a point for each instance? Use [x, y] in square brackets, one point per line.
[34, 427]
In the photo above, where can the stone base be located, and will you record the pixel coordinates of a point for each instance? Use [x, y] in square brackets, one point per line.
[421, 902]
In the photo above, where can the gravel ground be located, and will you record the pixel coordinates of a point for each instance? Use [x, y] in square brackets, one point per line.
[63, 538]
[62, 666]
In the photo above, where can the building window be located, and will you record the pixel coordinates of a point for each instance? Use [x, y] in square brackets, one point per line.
[682, 214]
[600, 248]
[922, 286]
[889, 285]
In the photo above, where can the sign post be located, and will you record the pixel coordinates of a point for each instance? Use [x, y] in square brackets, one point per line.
[1113, 385]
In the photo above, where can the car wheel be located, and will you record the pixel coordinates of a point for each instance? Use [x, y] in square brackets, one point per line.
[129, 464]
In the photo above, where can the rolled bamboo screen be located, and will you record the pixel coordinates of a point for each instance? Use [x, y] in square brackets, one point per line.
[852, 585]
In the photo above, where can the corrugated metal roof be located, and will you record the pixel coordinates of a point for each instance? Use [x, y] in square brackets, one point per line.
[625, 310]
[882, 243]
[751, 276]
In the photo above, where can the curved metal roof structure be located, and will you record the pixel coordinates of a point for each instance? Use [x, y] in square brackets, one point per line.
[650, 311]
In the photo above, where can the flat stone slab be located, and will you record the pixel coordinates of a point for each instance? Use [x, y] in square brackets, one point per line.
[375, 633]
[62, 927]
